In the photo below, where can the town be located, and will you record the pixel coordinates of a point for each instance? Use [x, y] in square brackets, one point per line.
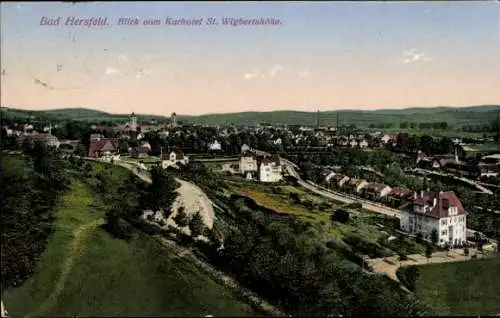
[297, 160]
[421, 194]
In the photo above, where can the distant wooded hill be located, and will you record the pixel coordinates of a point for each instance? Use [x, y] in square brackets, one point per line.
[453, 116]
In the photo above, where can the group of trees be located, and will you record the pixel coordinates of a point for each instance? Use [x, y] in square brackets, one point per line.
[281, 259]
[427, 144]
[442, 125]
[30, 186]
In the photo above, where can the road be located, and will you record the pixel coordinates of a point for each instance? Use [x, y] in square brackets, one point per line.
[468, 181]
[342, 197]
[4, 311]
[381, 265]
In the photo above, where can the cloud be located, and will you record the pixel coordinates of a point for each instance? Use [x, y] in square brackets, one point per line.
[255, 74]
[304, 74]
[142, 73]
[111, 71]
[273, 71]
[122, 58]
[413, 56]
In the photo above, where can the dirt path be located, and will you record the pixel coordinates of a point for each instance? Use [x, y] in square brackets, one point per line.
[382, 265]
[221, 277]
[74, 248]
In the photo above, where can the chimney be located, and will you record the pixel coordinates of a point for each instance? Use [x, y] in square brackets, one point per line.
[414, 194]
[422, 193]
[434, 203]
[456, 155]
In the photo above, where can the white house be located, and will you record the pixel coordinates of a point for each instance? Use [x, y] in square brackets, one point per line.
[270, 169]
[245, 148]
[363, 144]
[277, 141]
[442, 212]
[215, 146]
[248, 163]
[173, 158]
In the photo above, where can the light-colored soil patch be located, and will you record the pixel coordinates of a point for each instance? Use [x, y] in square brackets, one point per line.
[194, 200]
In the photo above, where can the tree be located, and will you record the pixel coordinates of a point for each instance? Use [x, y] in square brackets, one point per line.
[419, 238]
[116, 224]
[181, 217]
[434, 236]
[196, 225]
[428, 251]
[402, 256]
[161, 193]
[466, 251]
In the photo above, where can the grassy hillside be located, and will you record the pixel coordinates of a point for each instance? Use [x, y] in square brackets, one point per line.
[84, 271]
[454, 116]
[465, 288]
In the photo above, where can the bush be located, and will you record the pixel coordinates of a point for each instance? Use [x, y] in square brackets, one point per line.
[355, 206]
[181, 217]
[408, 276]
[294, 196]
[403, 256]
[340, 215]
[419, 238]
[117, 226]
[196, 225]
[428, 251]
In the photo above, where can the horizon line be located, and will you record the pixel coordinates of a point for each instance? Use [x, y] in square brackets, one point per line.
[362, 109]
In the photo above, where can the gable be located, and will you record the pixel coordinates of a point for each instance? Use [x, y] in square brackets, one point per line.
[108, 146]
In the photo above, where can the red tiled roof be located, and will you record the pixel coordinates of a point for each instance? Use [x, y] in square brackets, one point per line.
[96, 144]
[400, 192]
[442, 199]
[375, 186]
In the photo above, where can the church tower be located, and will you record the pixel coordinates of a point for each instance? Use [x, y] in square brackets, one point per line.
[133, 122]
[173, 120]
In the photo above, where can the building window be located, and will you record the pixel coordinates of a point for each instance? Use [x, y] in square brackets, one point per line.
[443, 222]
[444, 232]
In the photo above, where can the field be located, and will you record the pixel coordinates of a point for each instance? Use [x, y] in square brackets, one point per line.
[367, 232]
[277, 202]
[86, 272]
[487, 147]
[436, 133]
[466, 288]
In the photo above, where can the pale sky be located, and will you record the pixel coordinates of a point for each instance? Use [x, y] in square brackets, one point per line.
[324, 56]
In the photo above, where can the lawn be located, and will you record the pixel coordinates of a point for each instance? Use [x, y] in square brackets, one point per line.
[86, 272]
[486, 147]
[272, 201]
[467, 288]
